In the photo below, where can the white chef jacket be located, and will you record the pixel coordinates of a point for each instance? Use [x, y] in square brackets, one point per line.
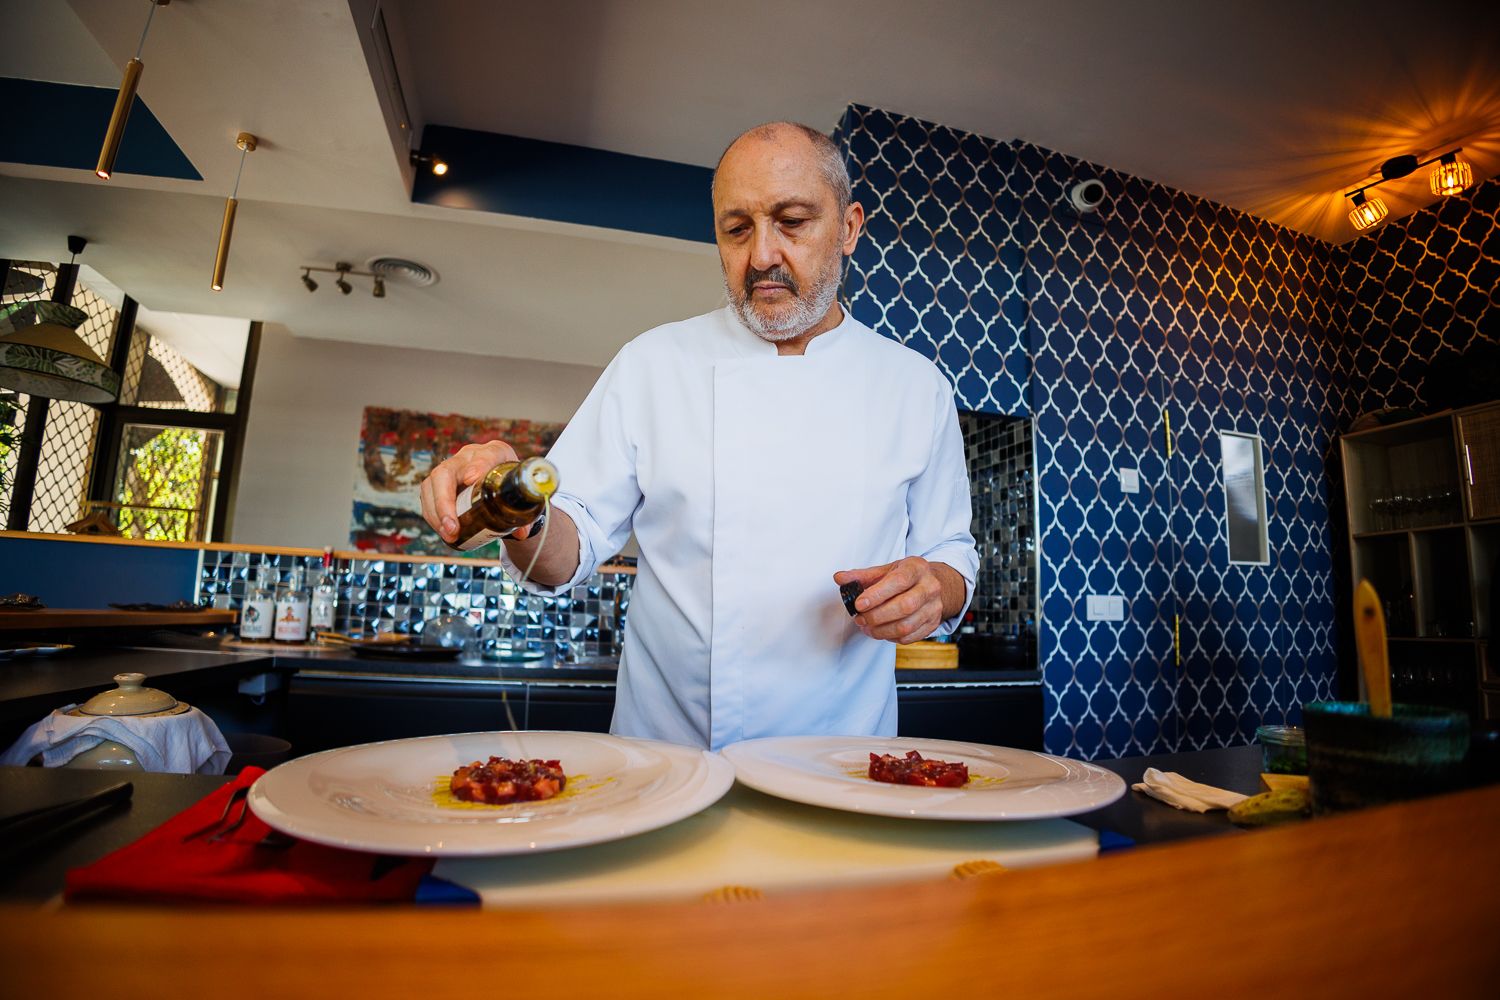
[749, 479]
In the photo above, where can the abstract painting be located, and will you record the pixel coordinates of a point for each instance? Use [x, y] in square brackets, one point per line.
[397, 449]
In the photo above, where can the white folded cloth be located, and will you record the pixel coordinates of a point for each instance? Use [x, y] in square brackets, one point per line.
[189, 743]
[1175, 790]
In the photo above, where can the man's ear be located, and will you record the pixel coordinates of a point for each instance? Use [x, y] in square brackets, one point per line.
[854, 224]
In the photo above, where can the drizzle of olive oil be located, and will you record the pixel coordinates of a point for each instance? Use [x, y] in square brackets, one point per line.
[975, 780]
[578, 784]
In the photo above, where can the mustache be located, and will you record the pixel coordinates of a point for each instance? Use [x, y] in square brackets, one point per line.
[779, 274]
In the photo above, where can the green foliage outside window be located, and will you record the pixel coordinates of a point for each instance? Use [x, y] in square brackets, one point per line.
[164, 470]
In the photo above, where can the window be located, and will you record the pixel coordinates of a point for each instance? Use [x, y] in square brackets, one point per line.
[1244, 499]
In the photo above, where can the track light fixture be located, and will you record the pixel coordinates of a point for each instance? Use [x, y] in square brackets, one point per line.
[123, 102]
[344, 270]
[1451, 176]
[438, 164]
[246, 143]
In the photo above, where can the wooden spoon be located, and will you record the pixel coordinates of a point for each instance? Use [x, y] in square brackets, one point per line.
[1369, 636]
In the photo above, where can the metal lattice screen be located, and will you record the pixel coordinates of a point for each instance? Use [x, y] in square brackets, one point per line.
[69, 437]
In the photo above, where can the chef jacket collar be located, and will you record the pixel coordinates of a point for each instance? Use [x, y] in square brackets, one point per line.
[748, 344]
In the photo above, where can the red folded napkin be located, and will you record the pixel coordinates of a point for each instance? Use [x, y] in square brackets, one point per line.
[162, 866]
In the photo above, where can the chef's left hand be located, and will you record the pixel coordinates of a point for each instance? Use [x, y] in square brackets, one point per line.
[905, 601]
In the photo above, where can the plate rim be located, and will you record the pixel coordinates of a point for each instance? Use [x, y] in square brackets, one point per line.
[695, 795]
[1117, 785]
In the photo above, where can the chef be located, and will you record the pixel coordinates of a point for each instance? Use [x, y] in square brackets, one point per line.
[764, 455]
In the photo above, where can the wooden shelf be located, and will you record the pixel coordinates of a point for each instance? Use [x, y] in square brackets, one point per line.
[1398, 532]
[49, 618]
[1432, 575]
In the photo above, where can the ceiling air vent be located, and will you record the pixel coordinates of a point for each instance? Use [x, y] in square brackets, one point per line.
[403, 271]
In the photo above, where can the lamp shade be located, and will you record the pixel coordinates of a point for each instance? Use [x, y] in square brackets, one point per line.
[1451, 176]
[1367, 212]
[42, 355]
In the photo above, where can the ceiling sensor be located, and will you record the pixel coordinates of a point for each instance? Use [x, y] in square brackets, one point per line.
[402, 271]
[1087, 196]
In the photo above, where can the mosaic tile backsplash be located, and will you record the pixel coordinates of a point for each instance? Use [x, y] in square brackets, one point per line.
[998, 452]
[386, 595]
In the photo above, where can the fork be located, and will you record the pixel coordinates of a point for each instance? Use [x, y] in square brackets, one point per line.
[273, 840]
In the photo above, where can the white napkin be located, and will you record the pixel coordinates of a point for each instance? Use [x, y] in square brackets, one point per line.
[1175, 790]
[189, 743]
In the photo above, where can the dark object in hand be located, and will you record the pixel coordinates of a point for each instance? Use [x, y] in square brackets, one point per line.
[850, 593]
[21, 602]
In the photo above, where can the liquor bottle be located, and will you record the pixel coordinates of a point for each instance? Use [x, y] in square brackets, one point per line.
[509, 496]
[259, 610]
[325, 597]
[291, 610]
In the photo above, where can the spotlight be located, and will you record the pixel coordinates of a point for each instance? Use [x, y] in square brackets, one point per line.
[343, 271]
[438, 165]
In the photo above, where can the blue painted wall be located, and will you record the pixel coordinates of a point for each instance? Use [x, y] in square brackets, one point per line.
[1165, 302]
[63, 125]
[67, 574]
[553, 180]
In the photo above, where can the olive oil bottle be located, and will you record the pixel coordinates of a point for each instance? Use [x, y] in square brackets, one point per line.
[509, 496]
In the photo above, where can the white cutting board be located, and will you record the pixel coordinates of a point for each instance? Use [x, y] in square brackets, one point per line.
[755, 840]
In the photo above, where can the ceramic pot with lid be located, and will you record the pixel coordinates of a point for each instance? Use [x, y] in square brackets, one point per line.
[130, 699]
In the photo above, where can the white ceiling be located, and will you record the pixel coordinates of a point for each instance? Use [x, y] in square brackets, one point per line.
[1274, 107]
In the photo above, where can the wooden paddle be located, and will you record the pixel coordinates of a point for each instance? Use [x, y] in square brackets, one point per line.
[1369, 636]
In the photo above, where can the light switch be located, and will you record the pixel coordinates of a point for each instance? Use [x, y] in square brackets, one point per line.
[1104, 608]
[1130, 481]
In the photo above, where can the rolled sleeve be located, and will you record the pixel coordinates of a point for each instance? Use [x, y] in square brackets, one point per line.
[595, 460]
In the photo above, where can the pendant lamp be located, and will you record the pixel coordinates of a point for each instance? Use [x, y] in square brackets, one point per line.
[41, 354]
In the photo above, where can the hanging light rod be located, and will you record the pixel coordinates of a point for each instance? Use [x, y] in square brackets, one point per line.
[123, 102]
[1400, 166]
[344, 270]
[246, 144]
[1450, 177]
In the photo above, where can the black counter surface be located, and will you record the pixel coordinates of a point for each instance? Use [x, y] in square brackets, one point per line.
[31, 686]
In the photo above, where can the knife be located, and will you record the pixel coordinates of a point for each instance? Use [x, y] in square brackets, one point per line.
[25, 830]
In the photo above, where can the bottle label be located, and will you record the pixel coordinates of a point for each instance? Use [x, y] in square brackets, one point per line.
[465, 500]
[255, 620]
[322, 611]
[291, 621]
[481, 537]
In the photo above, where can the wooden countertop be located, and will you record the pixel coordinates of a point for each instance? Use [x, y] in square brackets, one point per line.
[1398, 901]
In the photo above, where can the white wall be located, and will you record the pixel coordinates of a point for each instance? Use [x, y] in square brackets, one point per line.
[297, 475]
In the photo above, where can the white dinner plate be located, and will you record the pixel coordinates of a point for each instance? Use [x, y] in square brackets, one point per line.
[392, 797]
[832, 771]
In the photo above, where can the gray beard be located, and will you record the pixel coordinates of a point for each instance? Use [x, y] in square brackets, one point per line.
[803, 313]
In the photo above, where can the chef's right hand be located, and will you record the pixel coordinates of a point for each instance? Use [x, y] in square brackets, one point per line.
[452, 476]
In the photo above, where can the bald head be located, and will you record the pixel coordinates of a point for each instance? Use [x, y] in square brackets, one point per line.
[796, 137]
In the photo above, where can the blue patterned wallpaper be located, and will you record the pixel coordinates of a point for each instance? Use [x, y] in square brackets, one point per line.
[1420, 290]
[1163, 301]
